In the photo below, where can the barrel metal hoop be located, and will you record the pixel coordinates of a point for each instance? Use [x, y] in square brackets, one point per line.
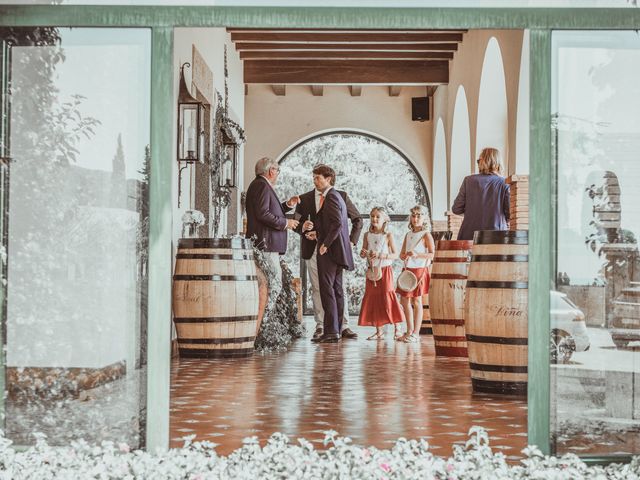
[492, 284]
[236, 243]
[246, 318]
[214, 256]
[500, 258]
[450, 260]
[448, 276]
[448, 321]
[501, 237]
[498, 368]
[497, 340]
[215, 353]
[448, 338]
[216, 278]
[448, 351]
[500, 387]
[215, 341]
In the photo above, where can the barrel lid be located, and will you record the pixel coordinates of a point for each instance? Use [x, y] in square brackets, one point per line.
[454, 244]
[514, 237]
[235, 243]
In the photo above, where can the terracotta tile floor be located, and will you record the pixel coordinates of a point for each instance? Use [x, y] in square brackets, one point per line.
[373, 392]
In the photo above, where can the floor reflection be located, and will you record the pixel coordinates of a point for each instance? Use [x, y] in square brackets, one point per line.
[373, 392]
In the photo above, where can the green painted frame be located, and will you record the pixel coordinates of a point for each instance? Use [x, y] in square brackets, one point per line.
[162, 20]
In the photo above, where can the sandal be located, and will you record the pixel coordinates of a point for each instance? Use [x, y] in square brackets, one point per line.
[399, 337]
[411, 338]
[376, 336]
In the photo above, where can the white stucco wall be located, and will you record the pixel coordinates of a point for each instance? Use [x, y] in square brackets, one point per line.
[210, 43]
[275, 123]
[466, 70]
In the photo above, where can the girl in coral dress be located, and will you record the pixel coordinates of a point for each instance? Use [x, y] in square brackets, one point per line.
[380, 305]
[417, 252]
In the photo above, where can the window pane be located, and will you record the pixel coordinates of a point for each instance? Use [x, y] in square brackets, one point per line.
[78, 234]
[595, 343]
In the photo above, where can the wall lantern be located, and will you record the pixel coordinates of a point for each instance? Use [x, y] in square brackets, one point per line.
[190, 124]
[229, 168]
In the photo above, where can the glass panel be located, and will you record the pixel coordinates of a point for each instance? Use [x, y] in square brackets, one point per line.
[595, 316]
[78, 234]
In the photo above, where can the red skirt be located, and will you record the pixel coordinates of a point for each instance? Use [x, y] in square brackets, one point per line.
[423, 286]
[380, 304]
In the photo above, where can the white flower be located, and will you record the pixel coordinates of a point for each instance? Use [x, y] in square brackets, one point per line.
[193, 217]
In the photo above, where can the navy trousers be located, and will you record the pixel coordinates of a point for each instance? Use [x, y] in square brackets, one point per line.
[331, 293]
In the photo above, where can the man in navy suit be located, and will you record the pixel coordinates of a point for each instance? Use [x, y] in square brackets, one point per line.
[334, 252]
[306, 211]
[266, 215]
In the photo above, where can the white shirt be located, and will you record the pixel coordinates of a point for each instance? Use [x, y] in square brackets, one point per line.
[377, 242]
[317, 196]
[414, 241]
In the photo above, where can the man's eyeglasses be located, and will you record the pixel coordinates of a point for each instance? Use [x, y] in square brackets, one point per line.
[277, 169]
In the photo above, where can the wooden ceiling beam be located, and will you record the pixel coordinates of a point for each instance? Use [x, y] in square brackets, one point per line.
[394, 90]
[345, 72]
[400, 47]
[279, 90]
[355, 90]
[345, 30]
[340, 37]
[355, 54]
[317, 90]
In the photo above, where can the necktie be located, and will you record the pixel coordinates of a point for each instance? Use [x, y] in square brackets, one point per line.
[321, 200]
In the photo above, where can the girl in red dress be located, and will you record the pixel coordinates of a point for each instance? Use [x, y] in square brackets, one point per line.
[417, 252]
[380, 305]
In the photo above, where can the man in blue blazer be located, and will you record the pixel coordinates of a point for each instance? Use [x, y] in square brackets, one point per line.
[306, 210]
[334, 252]
[266, 215]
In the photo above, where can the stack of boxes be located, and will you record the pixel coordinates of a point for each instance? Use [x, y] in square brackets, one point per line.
[453, 223]
[519, 208]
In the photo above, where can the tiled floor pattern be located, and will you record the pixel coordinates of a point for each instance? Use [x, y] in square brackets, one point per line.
[373, 392]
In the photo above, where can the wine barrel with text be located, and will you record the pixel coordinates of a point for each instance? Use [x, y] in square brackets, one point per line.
[448, 281]
[426, 328]
[495, 311]
[215, 297]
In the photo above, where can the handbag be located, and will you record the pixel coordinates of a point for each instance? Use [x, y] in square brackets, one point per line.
[407, 280]
[374, 272]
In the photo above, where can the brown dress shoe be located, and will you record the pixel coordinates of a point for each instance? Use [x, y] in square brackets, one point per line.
[348, 333]
[317, 334]
[327, 338]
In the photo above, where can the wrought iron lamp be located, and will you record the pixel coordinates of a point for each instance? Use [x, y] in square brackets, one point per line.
[229, 171]
[191, 112]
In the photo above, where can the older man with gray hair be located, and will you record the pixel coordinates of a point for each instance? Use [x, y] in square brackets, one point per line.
[266, 218]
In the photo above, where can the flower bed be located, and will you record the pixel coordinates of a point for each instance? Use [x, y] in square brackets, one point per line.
[282, 459]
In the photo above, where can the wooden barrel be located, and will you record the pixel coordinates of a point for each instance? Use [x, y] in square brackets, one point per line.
[495, 311]
[606, 202]
[625, 326]
[426, 327]
[215, 297]
[450, 267]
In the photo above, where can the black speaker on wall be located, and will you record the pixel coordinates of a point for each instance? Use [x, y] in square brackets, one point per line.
[420, 109]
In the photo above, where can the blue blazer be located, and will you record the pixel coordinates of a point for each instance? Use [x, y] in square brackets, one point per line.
[266, 217]
[333, 229]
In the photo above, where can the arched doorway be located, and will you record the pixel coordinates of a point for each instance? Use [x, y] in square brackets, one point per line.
[439, 175]
[492, 123]
[460, 144]
[373, 172]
